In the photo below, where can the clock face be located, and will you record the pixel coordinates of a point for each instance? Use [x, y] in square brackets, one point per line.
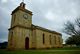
[25, 16]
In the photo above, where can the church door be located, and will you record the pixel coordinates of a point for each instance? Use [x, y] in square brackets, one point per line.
[27, 43]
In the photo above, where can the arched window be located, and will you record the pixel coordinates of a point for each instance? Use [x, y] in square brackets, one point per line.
[59, 40]
[55, 39]
[50, 39]
[43, 38]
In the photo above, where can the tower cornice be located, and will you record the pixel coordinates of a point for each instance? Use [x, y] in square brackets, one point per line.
[22, 8]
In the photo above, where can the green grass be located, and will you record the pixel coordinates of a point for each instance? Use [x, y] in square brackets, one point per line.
[67, 48]
[47, 51]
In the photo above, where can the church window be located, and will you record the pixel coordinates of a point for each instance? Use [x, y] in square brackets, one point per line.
[55, 39]
[50, 39]
[59, 40]
[43, 38]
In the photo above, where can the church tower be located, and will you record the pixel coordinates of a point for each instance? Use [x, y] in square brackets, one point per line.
[20, 29]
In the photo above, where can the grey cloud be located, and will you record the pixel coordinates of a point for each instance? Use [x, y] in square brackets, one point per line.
[62, 10]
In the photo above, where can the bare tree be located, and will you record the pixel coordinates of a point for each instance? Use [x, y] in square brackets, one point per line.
[73, 29]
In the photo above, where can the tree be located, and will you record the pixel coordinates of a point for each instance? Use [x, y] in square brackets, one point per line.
[73, 29]
[73, 40]
[3, 45]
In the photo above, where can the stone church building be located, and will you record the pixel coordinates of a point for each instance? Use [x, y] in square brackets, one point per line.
[24, 35]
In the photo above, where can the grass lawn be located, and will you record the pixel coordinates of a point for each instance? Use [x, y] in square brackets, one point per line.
[48, 51]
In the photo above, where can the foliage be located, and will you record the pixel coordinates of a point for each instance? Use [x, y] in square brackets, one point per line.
[3, 45]
[73, 40]
[73, 29]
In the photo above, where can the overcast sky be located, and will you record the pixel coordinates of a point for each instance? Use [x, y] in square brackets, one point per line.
[51, 14]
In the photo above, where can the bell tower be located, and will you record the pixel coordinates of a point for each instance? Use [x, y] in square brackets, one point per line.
[22, 5]
[20, 27]
[21, 16]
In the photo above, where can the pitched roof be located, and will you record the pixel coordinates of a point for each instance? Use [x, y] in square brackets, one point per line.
[41, 28]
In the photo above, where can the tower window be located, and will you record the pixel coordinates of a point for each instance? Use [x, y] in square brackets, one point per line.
[23, 5]
[14, 18]
[43, 38]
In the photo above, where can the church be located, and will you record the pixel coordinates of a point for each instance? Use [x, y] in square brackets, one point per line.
[25, 35]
